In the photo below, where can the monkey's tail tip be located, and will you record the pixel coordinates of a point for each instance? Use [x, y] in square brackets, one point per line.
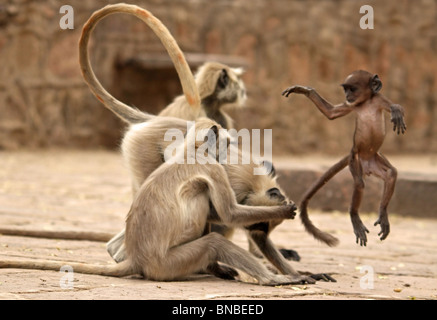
[318, 234]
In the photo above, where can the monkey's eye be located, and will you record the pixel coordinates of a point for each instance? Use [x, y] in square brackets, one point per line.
[352, 89]
[275, 194]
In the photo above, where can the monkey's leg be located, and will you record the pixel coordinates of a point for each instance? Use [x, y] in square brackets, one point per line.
[253, 248]
[227, 232]
[262, 240]
[219, 270]
[197, 255]
[388, 173]
[117, 251]
[288, 254]
[258, 233]
[360, 229]
[309, 226]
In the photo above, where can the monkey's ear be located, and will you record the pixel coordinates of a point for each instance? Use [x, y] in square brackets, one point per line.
[223, 79]
[238, 71]
[375, 84]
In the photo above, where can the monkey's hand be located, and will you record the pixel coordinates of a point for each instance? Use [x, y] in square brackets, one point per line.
[385, 226]
[297, 89]
[290, 209]
[397, 118]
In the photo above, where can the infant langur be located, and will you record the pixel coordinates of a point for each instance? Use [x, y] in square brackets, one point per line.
[362, 96]
[167, 233]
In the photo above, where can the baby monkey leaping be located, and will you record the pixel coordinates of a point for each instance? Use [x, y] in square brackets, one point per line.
[362, 96]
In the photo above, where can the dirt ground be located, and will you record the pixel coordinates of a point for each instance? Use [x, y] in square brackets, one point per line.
[90, 190]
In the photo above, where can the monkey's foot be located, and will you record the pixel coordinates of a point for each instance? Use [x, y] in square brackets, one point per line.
[290, 254]
[360, 230]
[277, 280]
[385, 226]
[323, 277]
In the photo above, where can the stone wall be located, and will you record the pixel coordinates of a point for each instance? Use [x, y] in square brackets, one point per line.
[44, 101]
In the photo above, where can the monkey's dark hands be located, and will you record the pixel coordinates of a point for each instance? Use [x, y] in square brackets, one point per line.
[360, 230]
[280, 279]
[397, 118]
[385, 226]
[297, 89]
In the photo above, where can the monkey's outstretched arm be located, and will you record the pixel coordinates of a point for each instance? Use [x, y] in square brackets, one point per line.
[330, 111]
[241, 215]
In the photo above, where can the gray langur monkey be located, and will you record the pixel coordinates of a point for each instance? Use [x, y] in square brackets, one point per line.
[167, 235]
[142, 149]
[144, 143]
[218, 85]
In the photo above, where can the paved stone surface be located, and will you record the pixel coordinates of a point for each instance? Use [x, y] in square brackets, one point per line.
[415, 192]
[89, 190]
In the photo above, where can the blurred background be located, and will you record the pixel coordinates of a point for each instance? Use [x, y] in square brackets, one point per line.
[44, 102]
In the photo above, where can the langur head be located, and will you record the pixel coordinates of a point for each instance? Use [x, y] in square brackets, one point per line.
[208, 138]
[361, 86]
[224, 84]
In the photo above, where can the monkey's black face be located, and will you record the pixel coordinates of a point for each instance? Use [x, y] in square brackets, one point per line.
[275, 193]
[361, 86]
[352, 92]
[230, 88]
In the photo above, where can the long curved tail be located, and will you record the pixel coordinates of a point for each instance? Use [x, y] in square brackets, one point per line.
[114, 270]
[325, 237]
[123, 111]
[52, 234]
